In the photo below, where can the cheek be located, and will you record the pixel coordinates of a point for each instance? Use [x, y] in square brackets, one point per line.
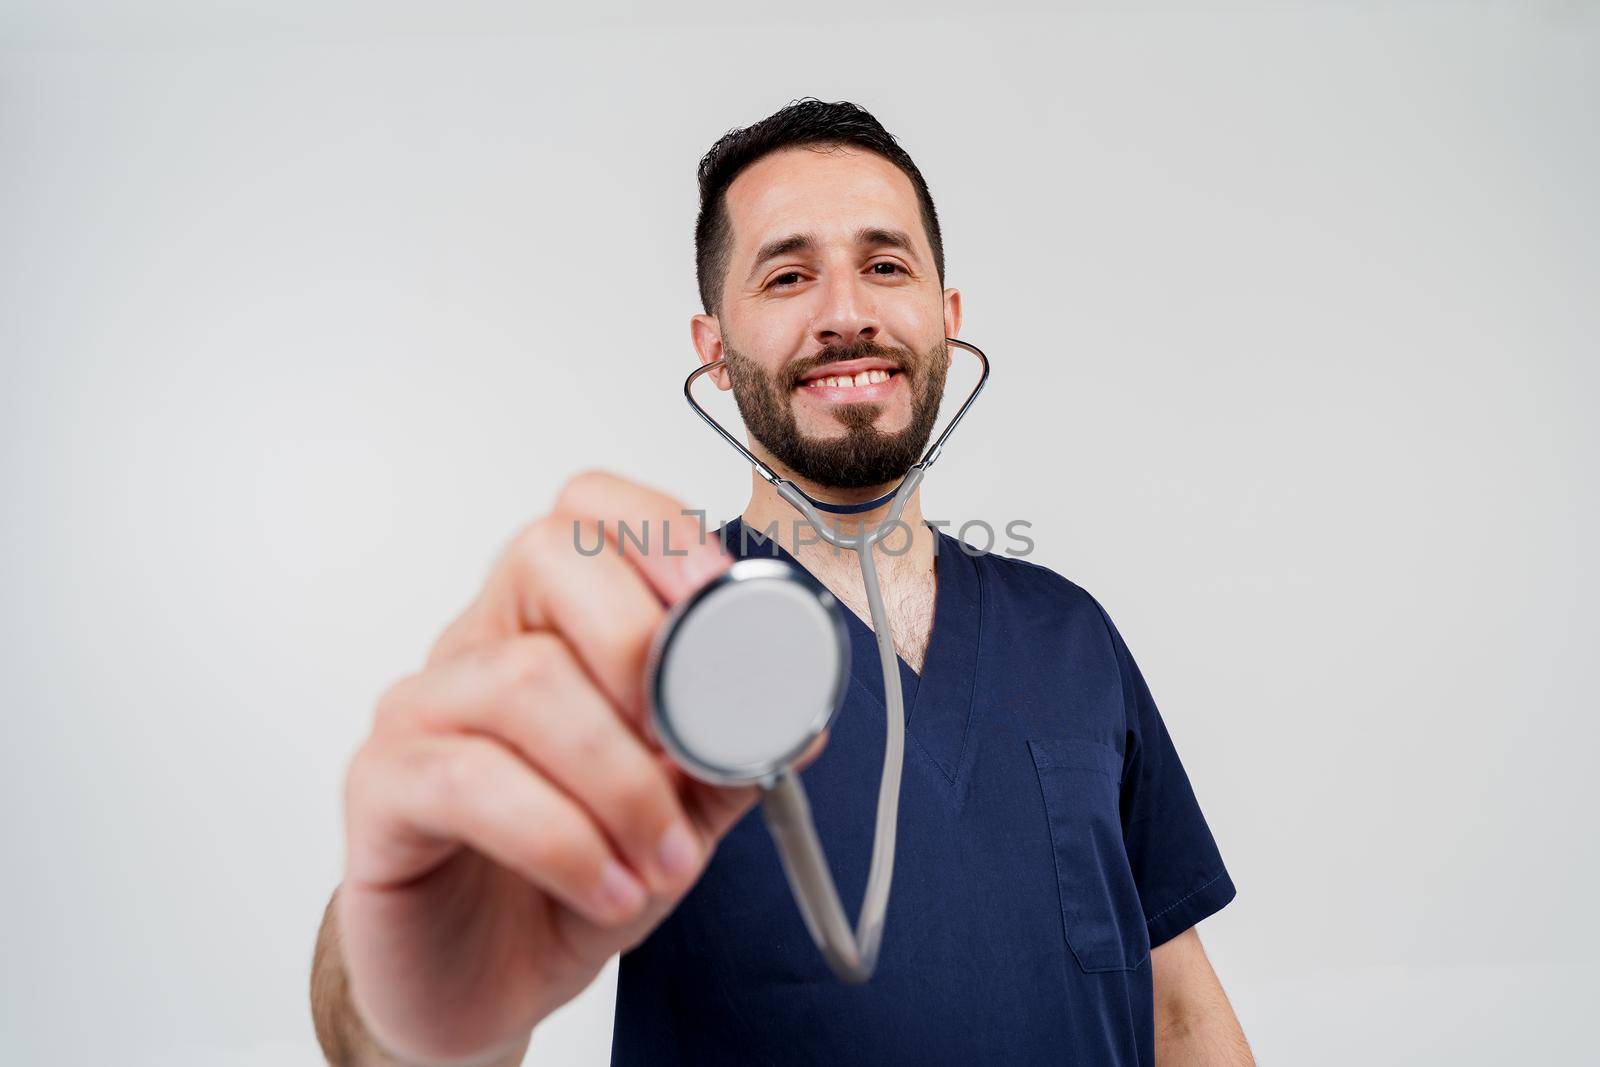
[772, 339]
[917, 326]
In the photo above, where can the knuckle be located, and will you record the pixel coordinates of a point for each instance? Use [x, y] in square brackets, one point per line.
[562, 850]
[536, 537]
[619, 646]
[581, 487]
[363, 779]
[642, 801]
[393, 705]
[356, 776]
[451, 775]
[533, 661]
[557, 536]
[590, 744]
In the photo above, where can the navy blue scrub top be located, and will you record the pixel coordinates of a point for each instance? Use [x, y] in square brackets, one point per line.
[1048, 839]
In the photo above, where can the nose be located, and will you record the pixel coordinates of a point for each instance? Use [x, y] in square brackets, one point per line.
[847, 315]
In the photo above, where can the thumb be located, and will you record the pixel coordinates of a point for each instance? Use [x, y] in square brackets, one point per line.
[715, 808]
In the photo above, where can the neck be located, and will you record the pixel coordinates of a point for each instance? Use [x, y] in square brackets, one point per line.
[771, 516]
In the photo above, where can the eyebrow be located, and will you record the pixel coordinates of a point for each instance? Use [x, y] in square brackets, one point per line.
[877, 237]
[870, 236]
[783, 246]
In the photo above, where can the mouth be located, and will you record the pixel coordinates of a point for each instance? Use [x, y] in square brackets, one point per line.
[852, 381]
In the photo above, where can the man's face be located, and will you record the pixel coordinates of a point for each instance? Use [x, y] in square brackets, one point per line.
[832, 319]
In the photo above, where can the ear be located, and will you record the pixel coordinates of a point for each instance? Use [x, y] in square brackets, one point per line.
[952, 313]
[706, 332]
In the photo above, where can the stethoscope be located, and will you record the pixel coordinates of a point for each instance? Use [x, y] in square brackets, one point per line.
[729, 706]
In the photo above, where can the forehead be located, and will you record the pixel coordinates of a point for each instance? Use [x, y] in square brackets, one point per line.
[830, 191]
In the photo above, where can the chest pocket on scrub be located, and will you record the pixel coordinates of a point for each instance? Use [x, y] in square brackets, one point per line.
[1100, 910]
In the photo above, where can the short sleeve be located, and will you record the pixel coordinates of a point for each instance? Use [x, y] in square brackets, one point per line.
[1176, 865]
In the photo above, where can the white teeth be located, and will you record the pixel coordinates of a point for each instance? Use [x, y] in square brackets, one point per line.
[866, 377]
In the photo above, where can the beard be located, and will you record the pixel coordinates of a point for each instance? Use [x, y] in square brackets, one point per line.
[864, 456]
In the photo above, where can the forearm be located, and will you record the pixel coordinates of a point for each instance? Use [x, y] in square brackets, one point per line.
[1202, 1040]
[1195, 1024]
[343, 1037]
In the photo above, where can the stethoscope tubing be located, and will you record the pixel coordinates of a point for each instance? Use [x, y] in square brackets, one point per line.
[785, 807]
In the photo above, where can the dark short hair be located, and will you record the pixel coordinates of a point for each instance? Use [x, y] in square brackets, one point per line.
[804, 122]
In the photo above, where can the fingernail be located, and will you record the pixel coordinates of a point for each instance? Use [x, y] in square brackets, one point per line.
[620, 892]
[678, 853]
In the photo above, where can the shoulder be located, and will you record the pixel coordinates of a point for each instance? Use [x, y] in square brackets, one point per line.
[1017, 587]
[1043, 625]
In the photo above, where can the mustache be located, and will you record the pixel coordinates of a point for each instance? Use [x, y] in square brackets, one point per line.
[902, 358]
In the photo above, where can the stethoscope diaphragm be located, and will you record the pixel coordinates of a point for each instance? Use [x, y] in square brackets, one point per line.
[747, 672]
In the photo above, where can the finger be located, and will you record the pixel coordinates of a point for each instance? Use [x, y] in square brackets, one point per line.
[714, 809]
[425, 795]
[680, 554]
[664, 544]
[530, 693]
[599, 602]
[593, 596]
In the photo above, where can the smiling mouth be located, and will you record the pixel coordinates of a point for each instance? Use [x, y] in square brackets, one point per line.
[860, 379]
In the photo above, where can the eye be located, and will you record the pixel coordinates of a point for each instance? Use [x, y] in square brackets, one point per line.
[787, 278]
[887, 268]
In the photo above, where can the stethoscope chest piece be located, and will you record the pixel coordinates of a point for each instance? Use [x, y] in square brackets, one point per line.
[747, 672]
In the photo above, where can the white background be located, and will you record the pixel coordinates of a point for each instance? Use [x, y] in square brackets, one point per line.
[1293, 315]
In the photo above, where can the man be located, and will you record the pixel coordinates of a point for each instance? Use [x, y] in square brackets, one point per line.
[511, 824]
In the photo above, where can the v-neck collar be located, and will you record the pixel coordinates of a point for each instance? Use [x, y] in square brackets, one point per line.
[939, 702]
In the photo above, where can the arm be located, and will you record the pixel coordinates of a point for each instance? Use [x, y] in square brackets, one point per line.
[510, 823]
[1195, 1023]
[344, 1039]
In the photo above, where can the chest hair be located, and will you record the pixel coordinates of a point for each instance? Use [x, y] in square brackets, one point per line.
[908, 597]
